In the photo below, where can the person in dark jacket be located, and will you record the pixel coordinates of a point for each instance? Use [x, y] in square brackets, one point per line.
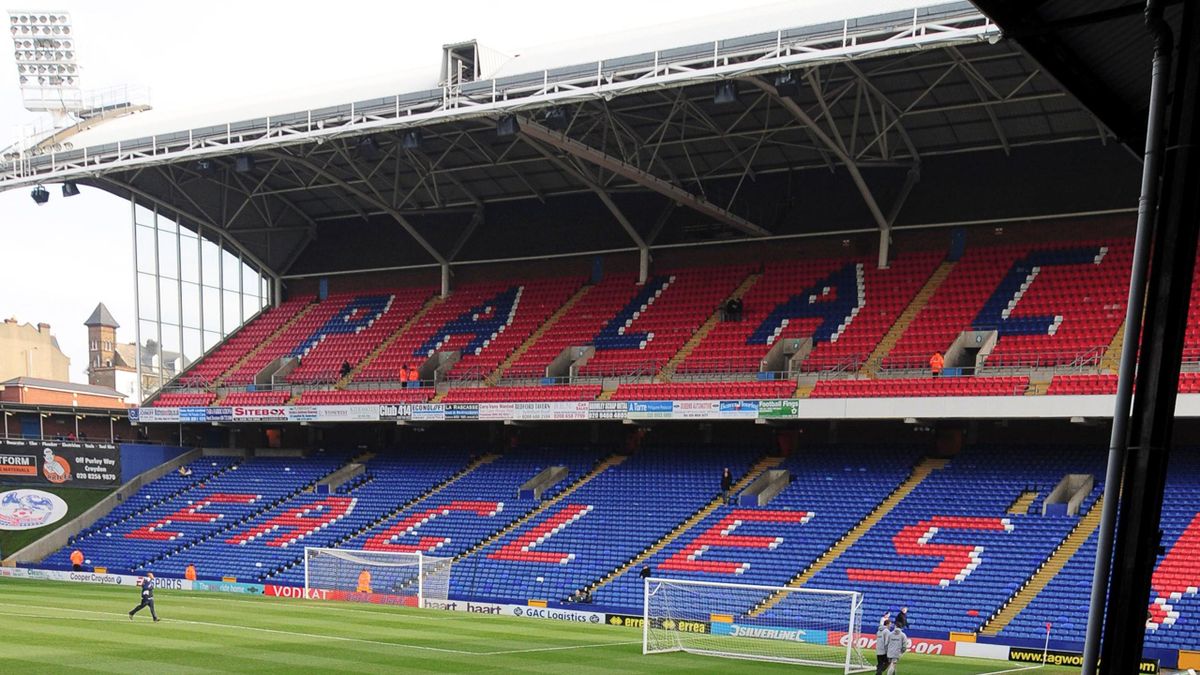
[902, 619]
[147, 597]
[726, 484]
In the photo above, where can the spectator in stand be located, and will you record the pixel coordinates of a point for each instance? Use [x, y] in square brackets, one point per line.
[936, 363]
[404, 372]
[726, 484]
[189, 573]
[77, 560]
[414, 376]
[345, 368]
[902, 619]
[645, 573]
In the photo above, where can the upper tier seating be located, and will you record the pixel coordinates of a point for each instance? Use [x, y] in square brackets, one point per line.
[484, 321]
[921, 387]
[301, 335]
[360, 326]
[658, 318]
[212, 366]
[949, 551]
[577, 326]
[598, 527]
[562, 392]
[831, 490]
[705, 390]
[367, 396]
[1191, 340]
[180, 399]
[846, 306]
[1053, 304]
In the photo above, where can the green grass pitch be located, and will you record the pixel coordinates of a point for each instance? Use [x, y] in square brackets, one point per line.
[53, 627]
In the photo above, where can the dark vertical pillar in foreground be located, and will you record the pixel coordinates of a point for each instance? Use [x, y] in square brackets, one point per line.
[1152, 419]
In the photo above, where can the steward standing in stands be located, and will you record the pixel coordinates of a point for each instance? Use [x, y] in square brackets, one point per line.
[147, 597]
[936, 363]
[77, 560]
[726, 484]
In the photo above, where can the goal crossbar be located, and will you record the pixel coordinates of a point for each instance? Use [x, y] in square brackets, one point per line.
[388, 576]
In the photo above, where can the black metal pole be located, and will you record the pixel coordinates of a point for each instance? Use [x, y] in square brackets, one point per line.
[1118, 440]
[1172, 263]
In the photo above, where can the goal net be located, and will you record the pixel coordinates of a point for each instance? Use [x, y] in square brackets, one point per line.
[768, 623]
[377, 576]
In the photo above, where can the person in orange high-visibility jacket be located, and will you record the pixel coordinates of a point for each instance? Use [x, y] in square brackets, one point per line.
[189, 573]
[364, 582]
[77, 560]
[936, 362]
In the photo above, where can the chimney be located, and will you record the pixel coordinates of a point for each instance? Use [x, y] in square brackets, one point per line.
[43, 328]
[12, 320]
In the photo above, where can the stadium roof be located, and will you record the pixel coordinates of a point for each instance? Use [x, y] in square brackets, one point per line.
[860, 106]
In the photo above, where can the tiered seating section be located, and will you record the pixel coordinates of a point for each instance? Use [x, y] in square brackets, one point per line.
[362, 324]
[1189, 383]
[913, 387]
[367, 396]
[1052, 304]
[950, 550]
[562, 392]
[600, 525]
[705, 390]
[846, 305]
[830, 492]
[181, 399]
[257, 398]
[1174, 608]
[663, 314]
[211, 367]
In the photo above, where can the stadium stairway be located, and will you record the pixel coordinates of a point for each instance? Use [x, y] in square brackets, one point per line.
[1046, 573]
[871, 367]
[668, 371]
[1021, 504]
[1111, 361]
[237, 365]
[536, 335]
[919, 473]
[765, 464]
[429, 305]
[804, 389]
[604, 465]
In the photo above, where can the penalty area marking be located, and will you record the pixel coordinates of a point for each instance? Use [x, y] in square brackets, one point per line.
[108, 617]
[1015, 670]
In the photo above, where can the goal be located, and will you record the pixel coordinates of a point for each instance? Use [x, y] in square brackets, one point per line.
[766, 623]
[399, 578]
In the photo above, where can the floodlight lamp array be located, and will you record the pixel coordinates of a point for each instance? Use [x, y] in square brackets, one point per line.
[44, 48]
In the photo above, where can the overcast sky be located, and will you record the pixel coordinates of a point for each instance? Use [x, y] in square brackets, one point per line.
[58, 260]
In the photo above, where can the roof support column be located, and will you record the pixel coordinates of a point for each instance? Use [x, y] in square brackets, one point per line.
[445, 267]
[885, 233]
[838, 151]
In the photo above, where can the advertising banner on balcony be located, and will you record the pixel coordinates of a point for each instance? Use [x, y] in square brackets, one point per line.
[788, 408]
[66, 463]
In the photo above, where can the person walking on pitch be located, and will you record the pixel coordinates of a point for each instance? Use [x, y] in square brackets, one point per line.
[147, 597]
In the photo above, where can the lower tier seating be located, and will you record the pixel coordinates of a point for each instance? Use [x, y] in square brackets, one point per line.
[921, 387]
[705, 390]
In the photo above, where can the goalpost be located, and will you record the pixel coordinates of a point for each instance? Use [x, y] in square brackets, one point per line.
[767, 623]
[390, 576]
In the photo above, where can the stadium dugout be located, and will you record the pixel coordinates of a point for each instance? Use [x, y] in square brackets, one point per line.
[771, 131]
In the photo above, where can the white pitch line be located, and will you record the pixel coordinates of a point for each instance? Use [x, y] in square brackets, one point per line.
[1014, 670]
[110, 618]
[318, 636]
